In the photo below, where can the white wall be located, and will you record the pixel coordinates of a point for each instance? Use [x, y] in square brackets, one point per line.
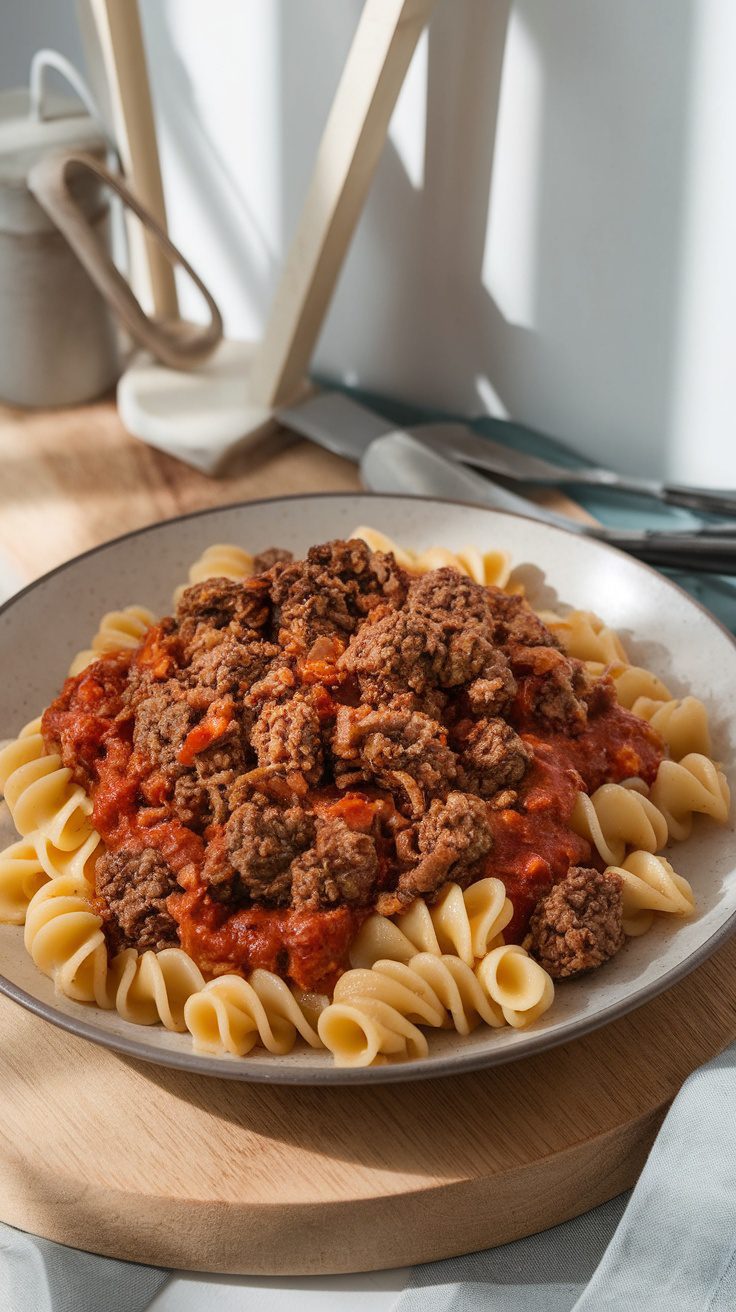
[550, 233]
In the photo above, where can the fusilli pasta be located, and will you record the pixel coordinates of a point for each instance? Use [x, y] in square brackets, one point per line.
[491, 568]
[465, 923]
[585, 636]
[376, 1012]
[119, 630]
[39, 792]
[631, 682]
[651, 885]
[26, 865]
[694, 784]
[154, 986]
[614, 818]
[231, 1014]
[65, 939]
[683, 723]
[221, 560]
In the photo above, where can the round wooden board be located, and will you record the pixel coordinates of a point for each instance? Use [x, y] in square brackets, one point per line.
[140, 1162]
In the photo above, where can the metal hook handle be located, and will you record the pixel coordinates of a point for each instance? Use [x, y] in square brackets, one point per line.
[177, 344]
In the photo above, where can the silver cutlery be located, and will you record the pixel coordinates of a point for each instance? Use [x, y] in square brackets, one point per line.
[393, 460]
[345, 427]
[458, 442]
[399, 462]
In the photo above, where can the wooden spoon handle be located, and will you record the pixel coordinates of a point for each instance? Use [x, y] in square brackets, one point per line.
[177, 344]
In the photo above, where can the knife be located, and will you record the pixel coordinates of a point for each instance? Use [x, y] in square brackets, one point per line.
[345, 427]
[399, 462]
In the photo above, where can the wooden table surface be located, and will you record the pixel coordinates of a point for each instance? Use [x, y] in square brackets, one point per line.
[316, 1180]
[74, 478]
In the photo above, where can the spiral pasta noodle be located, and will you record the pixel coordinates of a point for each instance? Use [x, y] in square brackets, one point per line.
[154, 986]
[615, 818]
[64, 937]
[681, 722]
[491, 568]
[694, 784]
[40, 794]
[119, 630]
[28, 864]
[650, 885]
[465, 923]
[584, 635]
[631, 682]
[231, 1015]
[517, 984]
[376, 1013]
[220, 560]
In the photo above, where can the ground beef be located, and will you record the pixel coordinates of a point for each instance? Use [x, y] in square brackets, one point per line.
[449, 591]
[450, 841]
[230, 667]
[308, 604]
[287, 737]
[261, 841]
[133, 888]
[514, 622]
[162, 721]
[342, 866]
[578, 925]
[417, 650]
[218, 602]
[329, 593]
[494, 691]
[271, 556]
[372, 577]
[201, 790]
[384, 745]
[549, 686]
[598, 692]
[492, 757]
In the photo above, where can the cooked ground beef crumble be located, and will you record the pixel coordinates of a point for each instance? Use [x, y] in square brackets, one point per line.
[331, 736]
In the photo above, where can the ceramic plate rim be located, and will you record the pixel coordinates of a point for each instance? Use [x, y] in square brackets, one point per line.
[429, 1067]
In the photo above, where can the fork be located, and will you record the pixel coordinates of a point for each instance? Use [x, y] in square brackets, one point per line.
[458, 442]
[399, 462]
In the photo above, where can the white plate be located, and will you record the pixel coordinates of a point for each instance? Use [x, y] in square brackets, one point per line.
[42, 628]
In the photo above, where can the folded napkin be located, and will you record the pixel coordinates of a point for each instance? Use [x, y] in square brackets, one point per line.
[673, 1248]
[38, 1276]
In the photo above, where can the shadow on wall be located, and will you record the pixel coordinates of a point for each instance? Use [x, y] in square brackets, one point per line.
[534, 265]
[592, 355]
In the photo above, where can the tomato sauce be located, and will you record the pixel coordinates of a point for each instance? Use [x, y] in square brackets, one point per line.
[533, 842]
[308, 947]
[534, 846]
[614, 745]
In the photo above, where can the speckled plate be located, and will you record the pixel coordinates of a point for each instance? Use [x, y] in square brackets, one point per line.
[42, 628]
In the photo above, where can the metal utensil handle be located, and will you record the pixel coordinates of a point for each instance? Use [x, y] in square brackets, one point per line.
[682, 550]
[177, 344]
[710, 499]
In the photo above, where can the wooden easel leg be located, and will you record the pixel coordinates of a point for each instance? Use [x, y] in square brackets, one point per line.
[117, 25]
[356, 130]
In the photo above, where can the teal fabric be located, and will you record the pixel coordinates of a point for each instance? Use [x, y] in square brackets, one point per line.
[670, 1247]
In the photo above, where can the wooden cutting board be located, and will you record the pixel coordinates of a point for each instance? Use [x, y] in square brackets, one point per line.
[139, 1162]
[135, 1161]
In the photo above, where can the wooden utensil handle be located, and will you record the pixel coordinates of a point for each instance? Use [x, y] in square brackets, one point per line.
[177, 344]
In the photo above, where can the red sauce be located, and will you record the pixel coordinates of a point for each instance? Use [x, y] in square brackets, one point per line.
[310, 947]
[534, 846]
[216, 722]
[614, 745]
[83, 715]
